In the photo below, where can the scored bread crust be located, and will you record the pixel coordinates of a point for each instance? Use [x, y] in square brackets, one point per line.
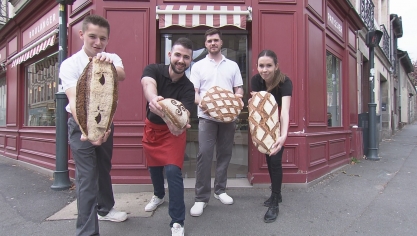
[222, 104]
[96, 98]
[264, 123]
[175, 112]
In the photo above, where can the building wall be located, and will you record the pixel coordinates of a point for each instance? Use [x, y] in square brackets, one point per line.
[306, 30]
[408, 98]
[383, 86]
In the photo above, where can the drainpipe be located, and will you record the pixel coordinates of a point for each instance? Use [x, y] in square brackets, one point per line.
[394, 49]
[61, 174]
[399, 86]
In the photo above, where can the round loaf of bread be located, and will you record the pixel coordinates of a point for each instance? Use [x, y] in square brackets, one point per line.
[264, 123]
[175, 112]
[96, 98]
[222, 104]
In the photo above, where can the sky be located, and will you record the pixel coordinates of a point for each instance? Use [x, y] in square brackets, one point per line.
[407, 9]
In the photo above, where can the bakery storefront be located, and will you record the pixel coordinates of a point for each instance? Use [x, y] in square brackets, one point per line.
[28, 84]
[316, 46]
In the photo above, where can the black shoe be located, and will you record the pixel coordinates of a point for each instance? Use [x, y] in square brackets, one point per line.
[267, 203]
[272, 213]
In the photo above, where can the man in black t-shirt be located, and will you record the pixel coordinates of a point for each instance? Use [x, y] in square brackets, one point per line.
[163, 143]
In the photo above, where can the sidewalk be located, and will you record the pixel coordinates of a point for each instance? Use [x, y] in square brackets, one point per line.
[368, 198]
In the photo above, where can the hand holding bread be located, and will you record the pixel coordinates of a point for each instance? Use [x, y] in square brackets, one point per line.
[175, 115]
[154, 106]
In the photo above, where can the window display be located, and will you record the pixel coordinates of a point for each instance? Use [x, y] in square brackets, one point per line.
[41, 86]
[3, 96]
[334, 94]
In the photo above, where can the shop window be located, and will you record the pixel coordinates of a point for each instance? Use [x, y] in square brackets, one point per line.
[41, 86]
[3, 96]
[234, 48]
[334, 94]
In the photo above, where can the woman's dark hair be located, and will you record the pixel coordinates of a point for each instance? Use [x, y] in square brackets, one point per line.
[278, 75]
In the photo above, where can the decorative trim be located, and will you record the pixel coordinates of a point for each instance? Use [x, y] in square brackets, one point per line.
[81, 7]
[292, 2]
[205, 1]
[353, 47]
[314, 12]
[190, 16]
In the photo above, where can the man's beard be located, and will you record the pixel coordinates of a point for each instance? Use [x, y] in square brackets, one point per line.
[175, 69]
[218, 50]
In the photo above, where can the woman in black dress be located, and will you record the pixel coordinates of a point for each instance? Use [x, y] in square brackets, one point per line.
[272, 80]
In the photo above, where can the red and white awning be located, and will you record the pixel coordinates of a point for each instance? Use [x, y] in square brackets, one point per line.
[190, 16]
[34, 49]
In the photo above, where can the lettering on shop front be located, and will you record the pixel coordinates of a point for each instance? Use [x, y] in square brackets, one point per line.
[334, 22]
[42, 25]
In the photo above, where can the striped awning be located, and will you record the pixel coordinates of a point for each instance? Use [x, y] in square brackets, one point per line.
[34, 49]
[190, 16]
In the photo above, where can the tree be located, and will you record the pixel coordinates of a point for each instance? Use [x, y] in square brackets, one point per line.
[414, 73]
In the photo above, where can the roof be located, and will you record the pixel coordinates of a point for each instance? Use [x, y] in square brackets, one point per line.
[405, 61]
[397, 25]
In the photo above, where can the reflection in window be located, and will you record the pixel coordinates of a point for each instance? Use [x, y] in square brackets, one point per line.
[3, 96]
[41, 86]
[334, 94]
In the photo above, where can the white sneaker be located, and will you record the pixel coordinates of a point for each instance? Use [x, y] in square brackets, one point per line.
[198, 208]
[177, 230]
[224, 198]
[154, 203]
[114, 215]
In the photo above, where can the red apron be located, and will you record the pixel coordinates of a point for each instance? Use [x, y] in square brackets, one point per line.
[161, 147]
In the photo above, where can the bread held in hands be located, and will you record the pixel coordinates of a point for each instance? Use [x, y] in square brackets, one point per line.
[96, 98]
[264, 123]
[222, 104]
[175, 112]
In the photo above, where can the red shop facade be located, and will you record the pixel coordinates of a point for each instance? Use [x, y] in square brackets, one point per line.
[316, 44]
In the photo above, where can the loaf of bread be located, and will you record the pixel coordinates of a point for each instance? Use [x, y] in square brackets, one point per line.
[175, 112]
[222, 104]
[264, 123]
[96, 99]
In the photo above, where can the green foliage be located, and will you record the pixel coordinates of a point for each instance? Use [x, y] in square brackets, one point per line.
[414, 74]
[353, 160]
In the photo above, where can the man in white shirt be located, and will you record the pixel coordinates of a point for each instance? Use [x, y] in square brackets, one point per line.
[92, 159]
[213, 70]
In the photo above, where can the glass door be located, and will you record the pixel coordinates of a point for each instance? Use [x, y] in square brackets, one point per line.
[234, 48]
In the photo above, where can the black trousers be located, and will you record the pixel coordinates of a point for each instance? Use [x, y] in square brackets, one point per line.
[275, 170]
[92, 179]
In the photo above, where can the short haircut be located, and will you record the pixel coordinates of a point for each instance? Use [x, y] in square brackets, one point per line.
[96, 20]
[212, 31]
[185, 42]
